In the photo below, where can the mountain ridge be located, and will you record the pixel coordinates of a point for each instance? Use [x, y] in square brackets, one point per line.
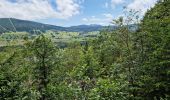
[12, 24]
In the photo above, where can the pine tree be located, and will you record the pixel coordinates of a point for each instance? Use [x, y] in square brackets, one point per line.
[43, 53]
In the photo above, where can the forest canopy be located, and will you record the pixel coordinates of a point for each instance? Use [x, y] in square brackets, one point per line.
[119, 64]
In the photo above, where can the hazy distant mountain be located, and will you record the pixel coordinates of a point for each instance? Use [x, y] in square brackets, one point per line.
[12, 24]
[85, 28]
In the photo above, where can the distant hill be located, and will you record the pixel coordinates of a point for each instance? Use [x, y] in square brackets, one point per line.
[85, 28]
[7, 24]
[24, 25]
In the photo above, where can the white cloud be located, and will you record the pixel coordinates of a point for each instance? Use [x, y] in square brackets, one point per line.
[116, 2]
[142, 5]
[38, 9]
[80, 1]
[108, 15]
[96, 20]
[67, 8]
[85, 19]
[106, 5]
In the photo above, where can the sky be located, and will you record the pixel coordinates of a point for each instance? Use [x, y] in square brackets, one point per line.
[71, 12]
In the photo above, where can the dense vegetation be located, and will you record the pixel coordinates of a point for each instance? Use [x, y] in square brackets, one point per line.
[116, 65]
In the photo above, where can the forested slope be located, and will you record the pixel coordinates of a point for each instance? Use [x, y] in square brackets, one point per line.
[117, 65]
[12, 24]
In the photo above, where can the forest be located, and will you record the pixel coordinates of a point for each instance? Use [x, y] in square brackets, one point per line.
[131, 62]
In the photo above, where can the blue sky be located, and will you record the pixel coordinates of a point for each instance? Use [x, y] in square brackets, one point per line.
[70, 12]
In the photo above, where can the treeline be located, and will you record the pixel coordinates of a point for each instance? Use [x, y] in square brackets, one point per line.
[118, 65]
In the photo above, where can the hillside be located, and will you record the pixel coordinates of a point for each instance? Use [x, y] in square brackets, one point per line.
[30, 26]
[23, 25]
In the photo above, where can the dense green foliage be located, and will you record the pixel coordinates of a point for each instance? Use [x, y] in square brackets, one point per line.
[116, 65]
[156, 50]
